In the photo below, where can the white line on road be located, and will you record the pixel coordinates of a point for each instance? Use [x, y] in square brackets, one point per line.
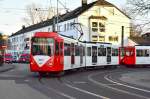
[60, 93]
[79, 82]
[110, 80]
[12, 70]
[87, 92]
[116, 89]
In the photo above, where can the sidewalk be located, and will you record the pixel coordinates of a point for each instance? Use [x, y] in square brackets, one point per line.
[6, 67]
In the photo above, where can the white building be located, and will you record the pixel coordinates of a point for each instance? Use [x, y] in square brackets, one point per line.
[99, 21]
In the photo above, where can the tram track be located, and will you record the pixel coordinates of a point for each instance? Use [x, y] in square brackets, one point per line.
[55, 90]
[86, 84]
[114, 85]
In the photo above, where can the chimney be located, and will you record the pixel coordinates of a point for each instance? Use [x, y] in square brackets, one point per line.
[84, 2]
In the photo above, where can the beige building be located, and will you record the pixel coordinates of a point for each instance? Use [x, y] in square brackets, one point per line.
[104, 22]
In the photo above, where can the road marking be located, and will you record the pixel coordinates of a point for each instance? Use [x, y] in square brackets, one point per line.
[12, 70]
[116, 89]
[79, 82]
[61, 93]
[87, 92]
[27, 80]
[58, 92]
[111, 84]
[106, 77]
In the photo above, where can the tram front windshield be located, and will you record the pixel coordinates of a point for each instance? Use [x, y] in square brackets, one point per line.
[42, 46]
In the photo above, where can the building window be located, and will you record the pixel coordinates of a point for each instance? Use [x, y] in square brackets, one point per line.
[98, 27]
[59, 28]
[68, 26]
[71, 25]
[113, 38]
[101, 27]
[26, 39]
[94, 38]
[65, 27]
[94, 26]
[101, 38]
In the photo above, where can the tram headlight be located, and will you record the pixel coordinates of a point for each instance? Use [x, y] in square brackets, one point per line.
[50, 64]
[31, 63]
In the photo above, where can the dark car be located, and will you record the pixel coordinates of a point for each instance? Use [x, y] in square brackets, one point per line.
[24, 58]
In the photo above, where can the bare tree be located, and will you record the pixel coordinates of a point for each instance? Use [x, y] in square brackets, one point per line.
[36, 14]
[135, 29]
[140, 14]
[141, 7]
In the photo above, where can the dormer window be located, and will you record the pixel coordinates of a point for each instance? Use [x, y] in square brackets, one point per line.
[94, 26]
[101, 27]
[98, 27]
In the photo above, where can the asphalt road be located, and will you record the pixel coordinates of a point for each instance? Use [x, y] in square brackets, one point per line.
[120, 83]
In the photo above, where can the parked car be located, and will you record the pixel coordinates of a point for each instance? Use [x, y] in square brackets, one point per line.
[8, 58]
[15, 59]
[24, 58]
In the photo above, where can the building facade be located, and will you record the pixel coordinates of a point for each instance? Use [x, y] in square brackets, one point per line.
[99, 21]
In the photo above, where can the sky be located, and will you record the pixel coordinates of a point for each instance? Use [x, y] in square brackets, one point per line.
[12, 12]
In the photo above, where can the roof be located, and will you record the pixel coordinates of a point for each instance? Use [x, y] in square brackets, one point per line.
[141, 41]
[69, 15]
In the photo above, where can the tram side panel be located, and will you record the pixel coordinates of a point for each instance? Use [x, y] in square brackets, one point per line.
[102, 55]
[142, 55]
[74, 54]
[98, 55]
[79, 55]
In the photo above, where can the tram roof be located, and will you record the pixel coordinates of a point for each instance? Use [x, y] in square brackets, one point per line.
[143, 45]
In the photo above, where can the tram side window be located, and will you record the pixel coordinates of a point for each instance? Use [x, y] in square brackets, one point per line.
[83, 48]
[147, 52]
[144, 53]
[77, 51]
[101, 51]
[114, 52]
[57, 48]
[88, 51]
[61, 48]
[81, 51]
[67, 49]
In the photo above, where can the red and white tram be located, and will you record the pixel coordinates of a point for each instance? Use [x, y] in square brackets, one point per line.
[51, 52]
[134, 56]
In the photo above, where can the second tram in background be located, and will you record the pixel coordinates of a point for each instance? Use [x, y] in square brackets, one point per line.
[133, 56]
[51, 52]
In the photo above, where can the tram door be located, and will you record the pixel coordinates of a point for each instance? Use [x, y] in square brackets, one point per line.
[94, 54]
[108, 55]
[121, 53]
[72, 54]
